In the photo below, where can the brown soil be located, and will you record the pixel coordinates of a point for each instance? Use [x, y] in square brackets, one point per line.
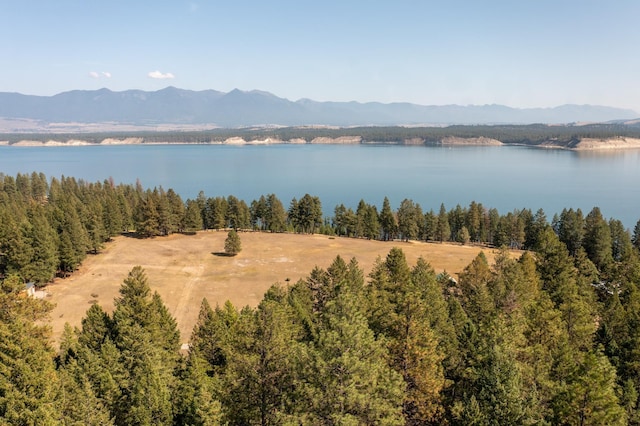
[184, 269]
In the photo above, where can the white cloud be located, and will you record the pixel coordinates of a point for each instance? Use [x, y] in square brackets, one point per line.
[103, 74]
[161, 76]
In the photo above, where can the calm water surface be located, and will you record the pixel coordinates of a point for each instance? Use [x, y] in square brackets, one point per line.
[501, 177]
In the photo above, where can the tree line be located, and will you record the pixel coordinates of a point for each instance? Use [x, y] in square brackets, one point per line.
[47, 228]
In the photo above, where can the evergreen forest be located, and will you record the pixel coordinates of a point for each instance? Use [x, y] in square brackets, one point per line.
[550, 337]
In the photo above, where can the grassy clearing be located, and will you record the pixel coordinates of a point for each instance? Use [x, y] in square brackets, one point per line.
[184, 269]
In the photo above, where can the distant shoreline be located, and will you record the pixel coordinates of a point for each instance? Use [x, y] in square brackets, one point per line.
[582, 144]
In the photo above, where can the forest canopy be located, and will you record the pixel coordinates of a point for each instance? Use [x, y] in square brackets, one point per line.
[549, 337]
[522, 341]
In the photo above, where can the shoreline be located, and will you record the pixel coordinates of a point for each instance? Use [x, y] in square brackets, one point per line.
[583, 144]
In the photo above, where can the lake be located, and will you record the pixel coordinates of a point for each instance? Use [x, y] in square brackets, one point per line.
[505, 177]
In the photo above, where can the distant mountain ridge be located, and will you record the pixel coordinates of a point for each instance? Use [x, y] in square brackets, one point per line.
[254, 108]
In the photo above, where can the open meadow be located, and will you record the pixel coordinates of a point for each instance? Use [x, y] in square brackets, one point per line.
[184, 269]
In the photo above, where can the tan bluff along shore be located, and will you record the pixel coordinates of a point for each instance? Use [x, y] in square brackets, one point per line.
[583, 144]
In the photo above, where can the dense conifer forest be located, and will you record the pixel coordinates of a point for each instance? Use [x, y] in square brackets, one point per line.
[551, 337]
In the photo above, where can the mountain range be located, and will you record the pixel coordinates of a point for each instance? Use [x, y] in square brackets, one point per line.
[257, 108]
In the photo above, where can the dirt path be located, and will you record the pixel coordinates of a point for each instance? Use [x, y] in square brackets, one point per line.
[184, 270]
[185, 302]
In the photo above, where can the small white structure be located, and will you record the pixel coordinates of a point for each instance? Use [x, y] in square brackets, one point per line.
[31, 289]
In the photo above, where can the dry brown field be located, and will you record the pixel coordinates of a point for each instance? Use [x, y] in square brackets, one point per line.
[184, 269]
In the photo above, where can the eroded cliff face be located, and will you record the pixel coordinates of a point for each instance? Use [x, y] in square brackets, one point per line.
[342, 140]
[606, 144]
[451, 140]
[79, 142]
[241, 141]
[592, 144]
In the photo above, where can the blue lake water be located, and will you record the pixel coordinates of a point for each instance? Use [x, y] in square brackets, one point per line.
[502, 177]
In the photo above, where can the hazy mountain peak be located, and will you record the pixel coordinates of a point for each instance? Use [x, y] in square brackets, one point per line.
[172, 105]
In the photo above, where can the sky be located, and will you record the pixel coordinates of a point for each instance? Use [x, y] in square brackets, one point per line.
[520, 53]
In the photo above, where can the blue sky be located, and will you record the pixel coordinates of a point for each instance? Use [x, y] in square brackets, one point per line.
[519, 53]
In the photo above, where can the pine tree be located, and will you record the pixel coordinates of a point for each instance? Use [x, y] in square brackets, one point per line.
[39, 187]
[197, 404]
[339, 220]
[560, 279]
[147, 218]
[621, 245]
[443, 230]
[348, 380]
[73, 241]
[192, 216]
[258, 210]
[401, 315]
[597, 239]
[499, 390]
[409, 215]
[43, 240]
[15, 244]
[636, 235]
[165, 225]
[276, 215]
[371, 223]
[306, 214]
[78, 402]
[96, 232]
[534, 229]
[321, 287]
[216, 212]
[96, 328]
[111, 213]
[430, 225]
[570, 229]
[456, 217]
[436, 312]
[387, 221]
[360, 218]
[492, 222]
[177, 211]
[259, 376]
[474, 286]
[545, 334]
[473, 221]
[237, 213]
[232, 245]
[29, 385]
[148, 341]
[588, 397]
[463, 236]
[213, 348]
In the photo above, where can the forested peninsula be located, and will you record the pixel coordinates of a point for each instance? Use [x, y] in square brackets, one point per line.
[550, 337]
[575, 137]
